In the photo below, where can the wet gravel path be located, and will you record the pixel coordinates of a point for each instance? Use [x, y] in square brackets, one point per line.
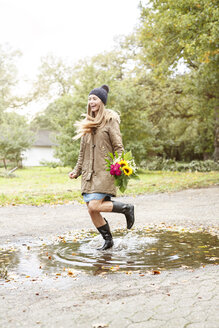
[177, 298]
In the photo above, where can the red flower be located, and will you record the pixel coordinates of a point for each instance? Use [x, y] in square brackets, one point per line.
[114, 169]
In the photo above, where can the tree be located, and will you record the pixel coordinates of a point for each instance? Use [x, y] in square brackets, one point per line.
[185, 31]
[185, 124]
[15, 137]
[8, 78]
[59, 117]
[125, 97]
[55, 78]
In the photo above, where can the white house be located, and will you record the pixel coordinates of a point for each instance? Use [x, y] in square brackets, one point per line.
[41, 150]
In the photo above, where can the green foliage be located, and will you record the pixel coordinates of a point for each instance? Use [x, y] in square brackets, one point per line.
[63, 112]
[157, 117]
[51, 164]
[15, 137]
[164, 111]
[174, 32]
[139, 134]
[161, 164]
[55, 77]
[185, 121]
[8, 77]
[186, 29]
[59, 117]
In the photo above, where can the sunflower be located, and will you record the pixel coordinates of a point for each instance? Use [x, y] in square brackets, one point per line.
[123, 163]
[127, 170]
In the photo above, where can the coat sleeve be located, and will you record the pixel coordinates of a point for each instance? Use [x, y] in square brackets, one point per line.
[115, 137]
[78, 166]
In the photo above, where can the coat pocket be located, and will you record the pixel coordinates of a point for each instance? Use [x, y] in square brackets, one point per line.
[83, 178]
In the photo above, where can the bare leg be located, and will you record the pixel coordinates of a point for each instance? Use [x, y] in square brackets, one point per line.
[94, 209]
[97, 206]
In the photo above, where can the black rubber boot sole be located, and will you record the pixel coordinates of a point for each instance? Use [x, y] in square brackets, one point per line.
[108, 244]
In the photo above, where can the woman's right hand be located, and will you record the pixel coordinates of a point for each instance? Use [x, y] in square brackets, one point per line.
[72, 175]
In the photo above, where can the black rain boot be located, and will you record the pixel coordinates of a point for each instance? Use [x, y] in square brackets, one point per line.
[127, 209]
[107, 236]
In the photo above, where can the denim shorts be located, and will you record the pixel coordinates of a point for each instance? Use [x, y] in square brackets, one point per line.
[94, 195]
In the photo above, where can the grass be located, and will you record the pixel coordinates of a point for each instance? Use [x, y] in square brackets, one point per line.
[43, 185]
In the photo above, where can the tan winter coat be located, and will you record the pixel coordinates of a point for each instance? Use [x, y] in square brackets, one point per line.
[91, 164]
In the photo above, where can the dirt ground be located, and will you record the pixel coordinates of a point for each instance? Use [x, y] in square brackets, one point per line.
[193, 206]
[175, 298]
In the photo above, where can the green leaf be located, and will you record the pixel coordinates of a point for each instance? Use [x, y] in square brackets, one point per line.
[111, 155]
[117, 182]
[108, 161]
[128, 156]
[122, 189]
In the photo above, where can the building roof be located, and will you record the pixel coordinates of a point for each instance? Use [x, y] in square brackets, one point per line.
[44, 138]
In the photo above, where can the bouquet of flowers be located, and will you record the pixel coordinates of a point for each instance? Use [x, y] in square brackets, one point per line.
[123, 168]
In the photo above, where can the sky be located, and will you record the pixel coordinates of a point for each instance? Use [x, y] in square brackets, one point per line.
[71, 29]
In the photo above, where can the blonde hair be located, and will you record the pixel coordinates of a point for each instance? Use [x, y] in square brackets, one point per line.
[90, 121]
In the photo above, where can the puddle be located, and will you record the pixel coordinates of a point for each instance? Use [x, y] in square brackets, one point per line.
[137, 250]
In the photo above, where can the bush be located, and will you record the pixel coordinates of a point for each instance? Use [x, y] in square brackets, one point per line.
[51, 164]
[162, 164]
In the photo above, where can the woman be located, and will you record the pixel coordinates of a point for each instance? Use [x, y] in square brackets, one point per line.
[100, 135]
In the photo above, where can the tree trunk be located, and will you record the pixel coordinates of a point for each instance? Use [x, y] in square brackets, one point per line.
[4, 161]
[216, 140]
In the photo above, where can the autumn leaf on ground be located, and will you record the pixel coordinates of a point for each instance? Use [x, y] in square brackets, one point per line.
[70, 273]
[156, 272]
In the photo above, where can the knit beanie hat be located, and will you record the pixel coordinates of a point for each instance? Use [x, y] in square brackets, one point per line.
[101, 93]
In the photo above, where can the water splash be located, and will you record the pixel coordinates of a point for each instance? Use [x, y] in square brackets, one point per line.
[136, 250]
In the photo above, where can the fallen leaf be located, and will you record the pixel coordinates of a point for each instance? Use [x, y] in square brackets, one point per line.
[155, 272]
[70, 273]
